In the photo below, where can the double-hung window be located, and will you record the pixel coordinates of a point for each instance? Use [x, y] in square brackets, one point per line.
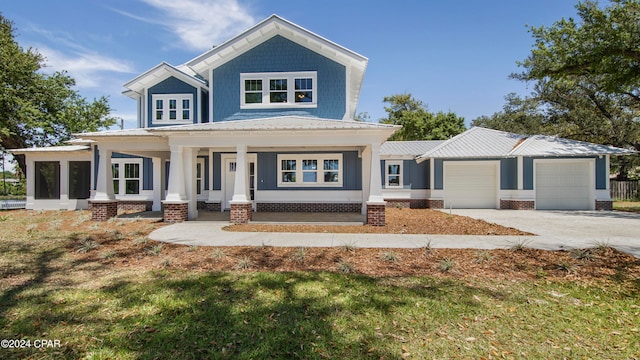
[126, 176]
[172, 108]
[393, 174]
[310, 170]
[277, 90]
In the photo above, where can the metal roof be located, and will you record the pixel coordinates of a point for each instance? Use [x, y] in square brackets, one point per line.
[479, 142]
[111, 133]
[408, 148]
[276, 123]
[542, 145]
[68, 148]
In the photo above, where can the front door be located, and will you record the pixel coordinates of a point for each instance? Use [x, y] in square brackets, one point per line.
[230, 178]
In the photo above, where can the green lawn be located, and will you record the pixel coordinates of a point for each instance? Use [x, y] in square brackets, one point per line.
[629, 206]
[99, 311]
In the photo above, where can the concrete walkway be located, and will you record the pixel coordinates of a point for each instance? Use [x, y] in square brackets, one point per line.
[555, 231]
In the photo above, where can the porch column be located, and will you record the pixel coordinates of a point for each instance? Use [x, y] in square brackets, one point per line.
[189, 159]
[214, 203]
[176, 207]
[375, 203]
[104, 205]
[241, 208]
[520, 173]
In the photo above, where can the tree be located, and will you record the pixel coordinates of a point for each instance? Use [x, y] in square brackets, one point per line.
[38, 109]
[418, 123]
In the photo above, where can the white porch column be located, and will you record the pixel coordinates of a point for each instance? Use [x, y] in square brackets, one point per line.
[189, 163]
[176, 191]
[31, 183]
[104, 185]
[366, 175]
[211, 198]
[157, 183]
[375, 183]
[64, 185]
[240, 185]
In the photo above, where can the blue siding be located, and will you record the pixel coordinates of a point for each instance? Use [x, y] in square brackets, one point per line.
[279, 55]
[268, 172]
[527, 173]
[205, 106]
[205, 171]
[416, 176]
[602, 175]
[217, 174]
[438, 174]
[509, 174]
[96, 161]
[171, 85]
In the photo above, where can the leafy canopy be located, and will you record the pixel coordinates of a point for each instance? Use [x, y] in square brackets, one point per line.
[418, 123]
[37, 109]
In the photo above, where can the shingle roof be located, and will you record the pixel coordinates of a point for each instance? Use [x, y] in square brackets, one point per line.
[479, 142]
[276, 123]
[408, 148]
[68, 148]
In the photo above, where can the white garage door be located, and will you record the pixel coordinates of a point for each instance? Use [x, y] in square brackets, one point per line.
[563, 186]
[470, 185]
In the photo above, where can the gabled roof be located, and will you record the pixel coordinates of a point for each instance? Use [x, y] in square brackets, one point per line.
[479, 142]
[276, 123]
[159, 73]
[114, 133]
[355, 63]
[408, 148]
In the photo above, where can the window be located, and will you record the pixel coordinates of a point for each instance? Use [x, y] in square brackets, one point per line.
[79, 179]
[126, 176]
[173, 108]
[310, 170]
[393, 173]
[265, 90]
[47, 180]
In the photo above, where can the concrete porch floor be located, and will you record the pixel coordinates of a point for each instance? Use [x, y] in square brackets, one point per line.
[289, 218]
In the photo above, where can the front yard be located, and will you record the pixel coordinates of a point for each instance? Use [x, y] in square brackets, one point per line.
[106, 292]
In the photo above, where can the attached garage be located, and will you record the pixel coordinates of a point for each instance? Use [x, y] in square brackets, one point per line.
[564, 185]
[471, 184]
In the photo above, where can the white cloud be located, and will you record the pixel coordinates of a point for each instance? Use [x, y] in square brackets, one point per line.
[200, 24]
[90, 70]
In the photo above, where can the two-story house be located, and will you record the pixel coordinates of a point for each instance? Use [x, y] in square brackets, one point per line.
[264, 122]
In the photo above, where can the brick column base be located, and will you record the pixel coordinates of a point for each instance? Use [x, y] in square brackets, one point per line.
[175, 212]
[517, 204]
[103, 210]
[241, 213]
[604, 205]
[376, 214]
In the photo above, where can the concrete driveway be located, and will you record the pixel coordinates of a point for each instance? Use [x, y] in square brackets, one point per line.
[568, 229]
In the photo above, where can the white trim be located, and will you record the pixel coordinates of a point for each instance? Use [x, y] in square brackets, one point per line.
[320, 158]
[408, 194]
[388, 163]
[166, 98]
[290, 77]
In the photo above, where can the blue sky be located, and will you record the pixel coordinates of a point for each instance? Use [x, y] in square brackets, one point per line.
[453, 55]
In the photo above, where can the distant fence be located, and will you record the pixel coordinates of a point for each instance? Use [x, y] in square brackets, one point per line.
[12, 204]
[625, 190]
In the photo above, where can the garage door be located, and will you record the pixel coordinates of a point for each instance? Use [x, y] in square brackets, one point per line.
[563, 186]
[470, 186]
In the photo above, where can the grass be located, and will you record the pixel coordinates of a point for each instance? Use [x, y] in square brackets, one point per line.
[102, 311]
[628, 206]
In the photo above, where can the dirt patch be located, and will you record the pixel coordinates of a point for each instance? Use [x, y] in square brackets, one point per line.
[398, 221]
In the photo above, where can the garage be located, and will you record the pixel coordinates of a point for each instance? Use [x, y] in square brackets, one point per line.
[471, 185]
[564, 185]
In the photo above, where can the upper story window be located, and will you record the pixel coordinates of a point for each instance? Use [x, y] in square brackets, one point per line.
[172, 108]
[274, 90]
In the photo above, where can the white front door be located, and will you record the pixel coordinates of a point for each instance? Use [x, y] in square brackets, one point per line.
[230, 178]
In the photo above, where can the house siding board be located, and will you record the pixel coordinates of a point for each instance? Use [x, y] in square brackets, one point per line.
[204, 107]
[96, 161]
[602, 175]
[268, 171]
[279, 55]
[438, 171]
[171, 85]
[147, 174]
[527, 173]
[416, 176]
[217, 174]
[509, 174]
